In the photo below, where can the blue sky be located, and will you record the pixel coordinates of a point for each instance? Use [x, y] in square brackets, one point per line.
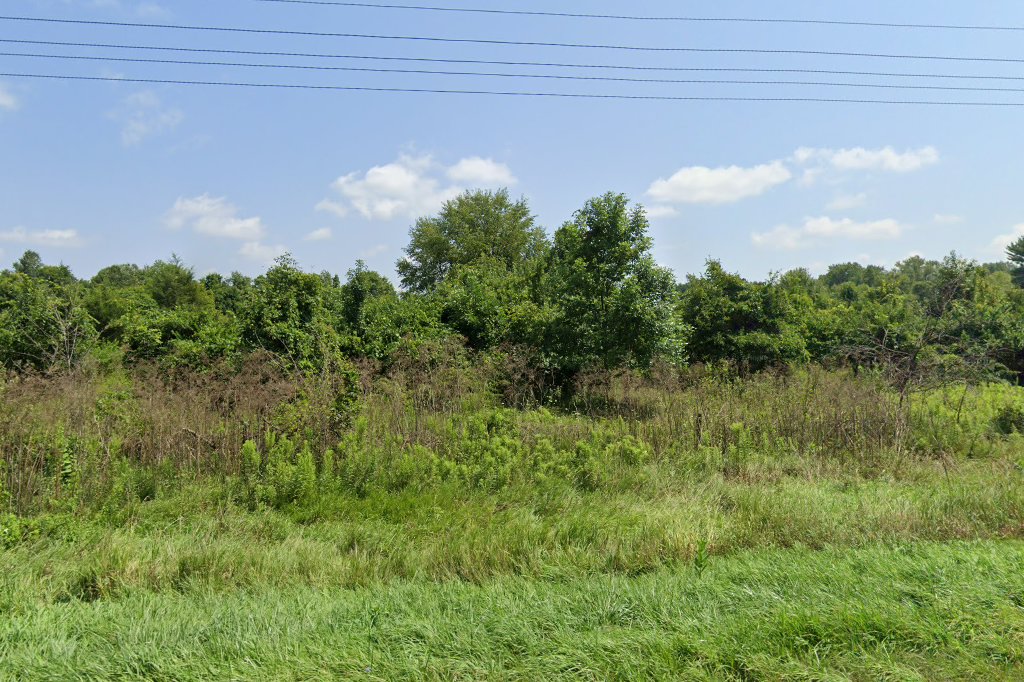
[102, 172]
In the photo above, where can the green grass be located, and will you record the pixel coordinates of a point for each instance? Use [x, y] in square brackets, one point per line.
[842, 544]
[907, 612]
[196, 533]
[835, 577]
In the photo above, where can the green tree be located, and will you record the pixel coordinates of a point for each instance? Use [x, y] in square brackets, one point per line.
[152, 312]
[123, 275]
[811, 312]
[286, 313]
[228, 292]
[387, 321]
[853, 273]
[173, 285]
[955, 330]
[42, 325]
[614, 304]
[362, 285]
[112, 294]
[1015, 254]
[491, 306]
[110, 305]
[748, 323]
[31, 264]
[477, 224]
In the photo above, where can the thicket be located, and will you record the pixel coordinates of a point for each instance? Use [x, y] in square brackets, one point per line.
[108, 441]
[505, 359]
[482, 276]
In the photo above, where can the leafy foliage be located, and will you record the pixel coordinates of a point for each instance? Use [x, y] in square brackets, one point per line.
[286, 313]
[43, 325]
[735, 320]
[613, 301]
[481, 274]
[474, 225]
[1015, 254]
[282, 440]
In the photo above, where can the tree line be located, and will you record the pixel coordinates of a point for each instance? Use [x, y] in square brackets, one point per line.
[483, 275]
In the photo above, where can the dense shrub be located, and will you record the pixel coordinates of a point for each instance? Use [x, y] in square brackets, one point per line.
[1010, 419]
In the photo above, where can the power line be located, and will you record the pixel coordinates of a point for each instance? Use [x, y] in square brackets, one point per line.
[687, 81]
[437, 60]
[513, 93]
[520, 43]
[633, 17]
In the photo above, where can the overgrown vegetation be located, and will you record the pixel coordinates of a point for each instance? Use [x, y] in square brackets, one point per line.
[541, 460]
[482, 275]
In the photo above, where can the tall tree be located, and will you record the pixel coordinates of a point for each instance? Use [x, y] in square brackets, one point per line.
[362, 284]
[123, 275]
[474, 225]
[31, 265]
[955, 330]
[172, 285]
[228, 292]
[490, 306]
[614, 301]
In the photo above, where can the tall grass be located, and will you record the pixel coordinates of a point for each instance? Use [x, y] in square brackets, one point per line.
[245, 523]
[927, 612]
[74, 439]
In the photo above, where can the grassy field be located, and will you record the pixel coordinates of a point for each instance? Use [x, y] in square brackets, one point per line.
[774, 529]
[907, 612]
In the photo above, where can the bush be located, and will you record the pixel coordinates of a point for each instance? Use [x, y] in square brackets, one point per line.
[286, 475]
[12, 530]
[325, 406]
[1010, 419]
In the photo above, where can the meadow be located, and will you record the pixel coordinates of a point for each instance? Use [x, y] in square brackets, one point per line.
[677, 524]
[542, 456]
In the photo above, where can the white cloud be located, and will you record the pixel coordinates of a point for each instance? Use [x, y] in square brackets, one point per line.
[788, 238]
[702, 185]
[859, 158]
[851, 229]
[321, 235]
[661, 211]
[55, 238]
[262, 253]
[947, 219]
[867, 259]
[375, 251]
[215, 217]
[811, 176]
[479, 172]
[336, 207]
[411, 187]
[782, 238]
[8, 101]
[729, 184]
[143, 115]
[847, 202]
[1003, 241]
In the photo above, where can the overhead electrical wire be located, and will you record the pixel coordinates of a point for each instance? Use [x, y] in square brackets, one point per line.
[520, 43]
[634, 17]
[505, 74]
[489, 62]
[564, 95]
[361, 69]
